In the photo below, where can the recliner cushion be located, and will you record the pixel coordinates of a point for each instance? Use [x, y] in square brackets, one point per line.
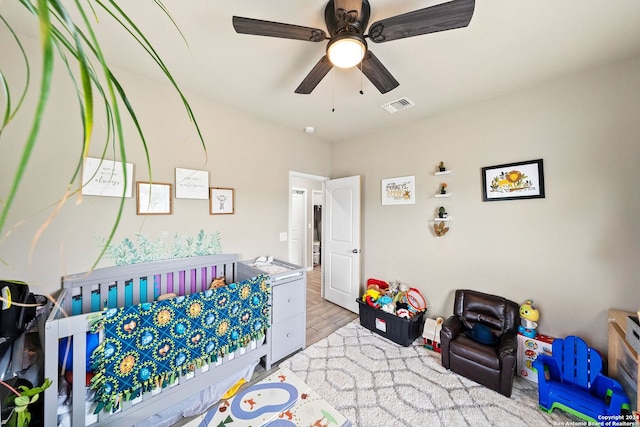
[498, 313]
[467, 348]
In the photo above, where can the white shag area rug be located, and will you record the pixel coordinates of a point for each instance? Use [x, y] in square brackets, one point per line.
[375, 382]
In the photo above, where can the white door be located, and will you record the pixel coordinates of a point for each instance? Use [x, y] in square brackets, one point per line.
[341, 244]
[297, 241]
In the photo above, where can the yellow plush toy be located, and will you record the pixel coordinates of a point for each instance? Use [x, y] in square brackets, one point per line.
[167, 296]
[217, 283]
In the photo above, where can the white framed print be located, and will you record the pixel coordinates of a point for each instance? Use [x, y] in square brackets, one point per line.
[103, 177]
[221, 201]
[192, 184]
[398, 191]
[154, 199]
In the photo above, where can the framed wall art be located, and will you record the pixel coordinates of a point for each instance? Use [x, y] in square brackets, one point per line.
[103, 177]
[221, 201]
[511, 181]
[154, 199]
[192, 184]
[399, 191]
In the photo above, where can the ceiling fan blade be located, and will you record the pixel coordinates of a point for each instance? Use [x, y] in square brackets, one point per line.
[315, 76]
[377, 73]
[347, 10]
[442, 17]
[259, 27]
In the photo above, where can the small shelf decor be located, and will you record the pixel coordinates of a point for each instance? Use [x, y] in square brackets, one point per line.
[443, 188]
[441, 167]
[440, 229]
[442, 212]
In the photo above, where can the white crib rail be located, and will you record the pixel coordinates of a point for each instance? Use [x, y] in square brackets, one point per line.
[60, 324]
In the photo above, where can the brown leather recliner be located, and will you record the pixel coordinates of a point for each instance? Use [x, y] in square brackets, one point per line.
[492, 365]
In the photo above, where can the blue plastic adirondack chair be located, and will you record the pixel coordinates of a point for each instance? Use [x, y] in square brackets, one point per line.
[571, 379]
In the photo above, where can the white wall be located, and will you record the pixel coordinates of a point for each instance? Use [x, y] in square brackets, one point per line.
[252, 156]
[574, 252]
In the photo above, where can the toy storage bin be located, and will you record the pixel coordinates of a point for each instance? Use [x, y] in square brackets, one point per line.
[397, 329]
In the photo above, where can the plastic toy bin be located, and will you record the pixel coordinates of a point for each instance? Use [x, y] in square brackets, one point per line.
[397, 329]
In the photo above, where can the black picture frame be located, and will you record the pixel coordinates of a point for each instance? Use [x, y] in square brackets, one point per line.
[513, 181]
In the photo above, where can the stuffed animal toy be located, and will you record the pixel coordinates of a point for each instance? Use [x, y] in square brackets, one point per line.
[529, 316]
[380, 286]
[217, 283]
[377, 284]
[167, 296]
[402, 310]
[386, 304]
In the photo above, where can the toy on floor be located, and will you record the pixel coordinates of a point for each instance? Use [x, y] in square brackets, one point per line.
[571, 379]
[431, 333]
[529, 316]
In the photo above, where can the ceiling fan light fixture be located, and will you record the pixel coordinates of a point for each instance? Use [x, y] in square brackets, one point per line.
[346, 50]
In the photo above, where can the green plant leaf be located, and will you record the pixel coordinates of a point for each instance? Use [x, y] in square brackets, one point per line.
[45, 86]
[59, 32]
[8, 114]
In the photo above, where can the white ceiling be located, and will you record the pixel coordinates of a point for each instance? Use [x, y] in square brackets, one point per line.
[509, 44]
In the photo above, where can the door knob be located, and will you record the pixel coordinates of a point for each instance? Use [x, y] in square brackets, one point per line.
[355, 251]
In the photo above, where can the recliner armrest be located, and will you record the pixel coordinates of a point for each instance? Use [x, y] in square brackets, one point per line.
[507, 345]
[451, 327]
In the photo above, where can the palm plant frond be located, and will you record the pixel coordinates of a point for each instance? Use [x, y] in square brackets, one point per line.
[79, 48]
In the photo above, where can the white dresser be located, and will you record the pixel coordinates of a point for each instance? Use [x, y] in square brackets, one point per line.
[287, 333]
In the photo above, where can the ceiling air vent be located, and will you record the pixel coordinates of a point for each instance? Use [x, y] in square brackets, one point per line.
[398, 105]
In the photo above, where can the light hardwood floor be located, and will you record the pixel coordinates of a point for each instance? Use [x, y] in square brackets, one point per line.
[323, 317]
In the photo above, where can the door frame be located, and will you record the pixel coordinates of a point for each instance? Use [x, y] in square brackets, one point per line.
[304, 220]
[292, 175]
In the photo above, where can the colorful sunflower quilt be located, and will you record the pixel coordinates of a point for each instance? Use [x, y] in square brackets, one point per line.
[148, 345]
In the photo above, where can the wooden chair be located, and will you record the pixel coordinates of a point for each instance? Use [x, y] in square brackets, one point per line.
[571, 379]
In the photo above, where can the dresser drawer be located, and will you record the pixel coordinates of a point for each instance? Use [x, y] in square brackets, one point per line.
[287, 337]
[288, 299]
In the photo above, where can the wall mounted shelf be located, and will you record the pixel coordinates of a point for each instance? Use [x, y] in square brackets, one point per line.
[442, 196]
[443, 173]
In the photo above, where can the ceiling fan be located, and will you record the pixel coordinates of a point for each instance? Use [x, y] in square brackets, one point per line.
[346, 22]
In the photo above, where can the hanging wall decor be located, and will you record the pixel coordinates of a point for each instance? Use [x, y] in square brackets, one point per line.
[103, 177]
[399, 191]
[154, 199]
[192, 184]
[510, 181]
[221, 201]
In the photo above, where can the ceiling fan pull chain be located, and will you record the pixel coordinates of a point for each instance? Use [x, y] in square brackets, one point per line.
[333, 90]
[361, 74]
